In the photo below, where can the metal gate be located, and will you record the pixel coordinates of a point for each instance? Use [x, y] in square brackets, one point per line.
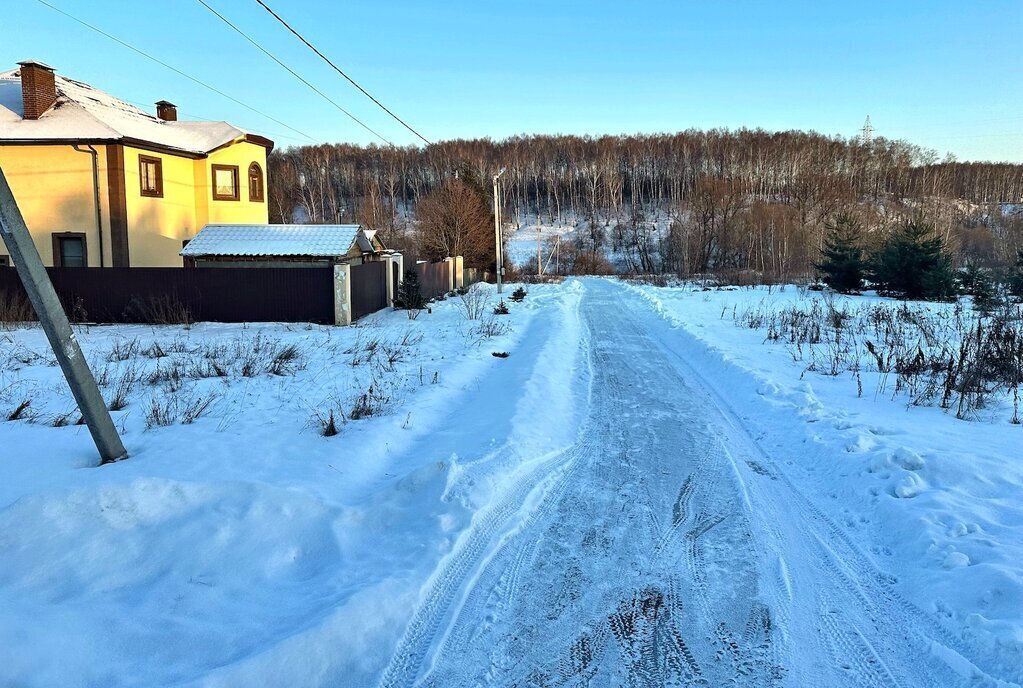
[369, 288]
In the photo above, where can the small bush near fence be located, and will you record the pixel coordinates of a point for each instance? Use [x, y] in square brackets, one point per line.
[410, 294]
[474, 301]
[15, 307]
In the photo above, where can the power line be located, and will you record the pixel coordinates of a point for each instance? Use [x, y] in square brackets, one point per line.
[174, 69]
[340, 71]
[181, 113]
[293, 72]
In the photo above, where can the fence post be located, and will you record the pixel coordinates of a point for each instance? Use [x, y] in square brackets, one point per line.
[459, 272]
[343, 294]
[449, 263]
[394, 261]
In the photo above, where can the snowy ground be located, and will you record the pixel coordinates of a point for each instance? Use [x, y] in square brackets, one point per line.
[520, 241]
[244, 544]
[642, 493]
[521, 238]
[934, 501]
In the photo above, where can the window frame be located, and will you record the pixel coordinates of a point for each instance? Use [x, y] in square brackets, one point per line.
[58, 258]
[5, 261]
[233, 169]
[261, 196]
[158, 192]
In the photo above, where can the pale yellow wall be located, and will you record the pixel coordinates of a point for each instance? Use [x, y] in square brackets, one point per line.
[158, 226]
[241, 211]
[54, 190]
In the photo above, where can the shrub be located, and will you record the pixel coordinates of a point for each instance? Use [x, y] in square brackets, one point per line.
[843, 266]
[519, 294]
[328, 426]
[158, 309]
[474, 302]
[124, 387]
[410, 294]
[15, 308]
[21, 411]
[501, 308]
[913, 264]
[983, 287]
[1014, 279]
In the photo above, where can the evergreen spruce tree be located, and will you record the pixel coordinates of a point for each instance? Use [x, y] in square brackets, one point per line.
[1015, 278]
[913, 264]
[983, 287]
[842, 265]
[410, 293]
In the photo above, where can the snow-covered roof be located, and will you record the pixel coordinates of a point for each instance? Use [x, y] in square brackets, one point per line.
[329, 241]
[84, 113]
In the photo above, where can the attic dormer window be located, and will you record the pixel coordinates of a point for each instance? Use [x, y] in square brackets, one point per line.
[150, 176]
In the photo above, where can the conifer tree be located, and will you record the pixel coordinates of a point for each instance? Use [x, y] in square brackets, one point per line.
[913, 264]
[410, 293]
[843, 266]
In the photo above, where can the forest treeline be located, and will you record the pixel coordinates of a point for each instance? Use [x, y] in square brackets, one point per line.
[690, 202]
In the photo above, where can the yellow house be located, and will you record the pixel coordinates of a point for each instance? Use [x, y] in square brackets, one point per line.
[103, 183]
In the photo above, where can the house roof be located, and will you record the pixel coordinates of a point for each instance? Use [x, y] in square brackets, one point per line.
[83, 113]
[328, 241]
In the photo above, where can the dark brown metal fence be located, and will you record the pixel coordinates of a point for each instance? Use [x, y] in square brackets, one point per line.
[433, 278]
[369, 288]
[165, 295]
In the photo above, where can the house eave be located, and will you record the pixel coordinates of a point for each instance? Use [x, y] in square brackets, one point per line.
[134, 143]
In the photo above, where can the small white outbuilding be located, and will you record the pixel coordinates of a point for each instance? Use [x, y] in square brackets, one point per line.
[282, 246]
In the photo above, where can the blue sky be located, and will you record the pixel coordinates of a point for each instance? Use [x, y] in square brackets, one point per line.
[944, 75]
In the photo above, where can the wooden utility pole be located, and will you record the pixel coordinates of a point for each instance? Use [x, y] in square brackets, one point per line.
[57, 328]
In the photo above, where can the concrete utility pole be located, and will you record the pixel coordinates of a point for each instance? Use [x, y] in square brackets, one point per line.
[57, 328]
[499, 249]
[539, 265]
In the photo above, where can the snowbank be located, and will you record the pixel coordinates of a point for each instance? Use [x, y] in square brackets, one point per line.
[936, 501]
[242, 547]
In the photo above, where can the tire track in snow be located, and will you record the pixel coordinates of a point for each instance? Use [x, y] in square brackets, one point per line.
[864, 585]
[422, 629]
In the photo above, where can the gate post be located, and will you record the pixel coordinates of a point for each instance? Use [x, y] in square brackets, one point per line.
[449, 262]
[459, 272]
[343, 294]
[394, 262]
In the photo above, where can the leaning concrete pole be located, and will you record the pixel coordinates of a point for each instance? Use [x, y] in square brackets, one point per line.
[57, 328]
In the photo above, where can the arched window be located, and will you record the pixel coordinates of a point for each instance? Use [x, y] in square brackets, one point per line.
[255, 182]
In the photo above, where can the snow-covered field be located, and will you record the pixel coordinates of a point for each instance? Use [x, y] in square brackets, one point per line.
[938, 501]
[646, 490]
[243, 547]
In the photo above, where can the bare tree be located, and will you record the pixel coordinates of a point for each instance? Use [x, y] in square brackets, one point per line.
[455, 220]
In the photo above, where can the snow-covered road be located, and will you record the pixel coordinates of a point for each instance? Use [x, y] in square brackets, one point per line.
[662, 546]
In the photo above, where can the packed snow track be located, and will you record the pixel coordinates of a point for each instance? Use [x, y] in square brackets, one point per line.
[663, 547]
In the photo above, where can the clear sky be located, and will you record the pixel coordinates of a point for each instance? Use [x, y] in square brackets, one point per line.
[943, 74]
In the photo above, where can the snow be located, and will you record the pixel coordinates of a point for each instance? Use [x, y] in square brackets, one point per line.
[641, 489]
[82, 112]
[10, 98]
[273, 240]
[245, 548]
[935, 499]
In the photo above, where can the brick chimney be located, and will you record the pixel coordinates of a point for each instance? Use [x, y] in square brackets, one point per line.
[168, 112]
[38, 90]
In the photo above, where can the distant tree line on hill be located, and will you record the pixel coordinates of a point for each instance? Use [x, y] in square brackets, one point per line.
[685, 203]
